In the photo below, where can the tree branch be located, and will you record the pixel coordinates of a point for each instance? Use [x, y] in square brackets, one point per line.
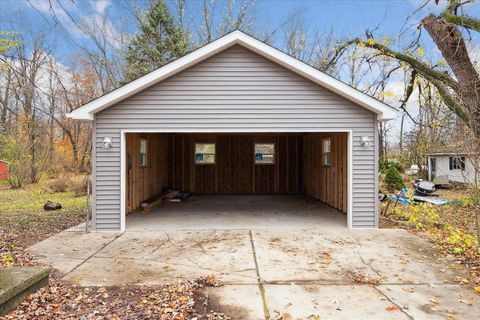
[422, 68]
[464, 21]
[452, 103]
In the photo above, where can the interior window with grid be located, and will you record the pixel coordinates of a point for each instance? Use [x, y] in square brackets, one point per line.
[326, 149]
[205, 153]
[143, 153]
[264, 153]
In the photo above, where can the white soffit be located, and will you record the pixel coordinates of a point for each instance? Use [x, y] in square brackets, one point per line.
[87, 111]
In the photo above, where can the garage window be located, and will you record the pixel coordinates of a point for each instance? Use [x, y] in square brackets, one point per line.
[205, 153]
[264, 153]
[143, 153]
[326, 149]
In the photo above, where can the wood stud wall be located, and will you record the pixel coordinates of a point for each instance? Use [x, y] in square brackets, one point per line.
[327, 183]
[297, 169]
[145, 182]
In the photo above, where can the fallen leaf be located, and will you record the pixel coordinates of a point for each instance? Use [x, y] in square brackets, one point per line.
[392, 308]
[167, 310]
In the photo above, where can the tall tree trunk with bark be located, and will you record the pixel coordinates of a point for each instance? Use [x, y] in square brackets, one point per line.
[451, 44]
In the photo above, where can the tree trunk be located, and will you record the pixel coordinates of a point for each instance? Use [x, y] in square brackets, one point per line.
[451, 44]
[400, 141]
[5, 100]
[381, 142]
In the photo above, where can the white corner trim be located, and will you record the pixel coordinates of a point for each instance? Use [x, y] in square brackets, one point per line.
[350, 180]
[87, 111]
[123, 181]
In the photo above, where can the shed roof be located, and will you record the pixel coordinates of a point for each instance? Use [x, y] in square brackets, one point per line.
[87, 111]
[451, 154]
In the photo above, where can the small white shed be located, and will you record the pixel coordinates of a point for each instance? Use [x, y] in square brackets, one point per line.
[461, 167]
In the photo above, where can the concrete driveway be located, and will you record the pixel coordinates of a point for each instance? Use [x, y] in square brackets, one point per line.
[270, 272]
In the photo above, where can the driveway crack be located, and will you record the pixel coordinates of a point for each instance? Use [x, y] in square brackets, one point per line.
[394, 303]
[260, 283]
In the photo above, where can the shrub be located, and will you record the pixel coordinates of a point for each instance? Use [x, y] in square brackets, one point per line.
[79, 187]
[387, 164]
[58, 185]
[394, 180]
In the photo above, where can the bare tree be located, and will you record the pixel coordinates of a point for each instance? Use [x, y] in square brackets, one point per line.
[459, 86]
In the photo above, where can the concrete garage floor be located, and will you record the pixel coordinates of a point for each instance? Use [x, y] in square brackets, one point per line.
[275, 255]
[207, 212]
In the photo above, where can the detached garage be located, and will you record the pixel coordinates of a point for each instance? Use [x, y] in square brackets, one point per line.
[235, 117]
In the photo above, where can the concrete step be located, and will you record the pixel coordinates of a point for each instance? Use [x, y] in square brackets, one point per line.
[18, 282]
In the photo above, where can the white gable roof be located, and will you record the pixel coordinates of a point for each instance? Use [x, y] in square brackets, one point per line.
[87, 111]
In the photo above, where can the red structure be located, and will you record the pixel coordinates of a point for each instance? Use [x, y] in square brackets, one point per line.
[3, 170]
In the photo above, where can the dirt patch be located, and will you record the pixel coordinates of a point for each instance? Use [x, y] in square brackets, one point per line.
[427, 308]
[20, 230]
[213, 302]
[311, 289]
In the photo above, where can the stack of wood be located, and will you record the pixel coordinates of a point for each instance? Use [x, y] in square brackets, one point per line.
[150, 204]
[165, 196]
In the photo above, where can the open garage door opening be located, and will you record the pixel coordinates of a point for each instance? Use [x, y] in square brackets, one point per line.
[225, 180]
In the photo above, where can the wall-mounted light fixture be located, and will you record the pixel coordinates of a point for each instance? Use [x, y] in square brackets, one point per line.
[107, 143]
[365, 142]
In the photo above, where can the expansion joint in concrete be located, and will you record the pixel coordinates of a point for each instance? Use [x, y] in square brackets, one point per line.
[394, 303]
[93, 254]
[259, 280]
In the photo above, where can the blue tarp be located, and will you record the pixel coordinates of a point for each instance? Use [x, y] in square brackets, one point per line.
[400, 199]
[437, 201]
[404, 198]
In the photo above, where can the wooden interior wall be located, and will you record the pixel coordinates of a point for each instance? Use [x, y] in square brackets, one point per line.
[297, 169]
[145, 182]
[235, 170]
[235, 163]
[327, 183]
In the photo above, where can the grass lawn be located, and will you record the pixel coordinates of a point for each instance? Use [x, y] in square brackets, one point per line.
[32, 198]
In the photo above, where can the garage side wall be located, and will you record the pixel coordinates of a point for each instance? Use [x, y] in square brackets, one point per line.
[234, 91]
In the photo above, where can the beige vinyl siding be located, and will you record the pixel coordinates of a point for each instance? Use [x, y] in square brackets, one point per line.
[236, 90]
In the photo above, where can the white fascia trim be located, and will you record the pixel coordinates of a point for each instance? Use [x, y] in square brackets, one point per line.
[87, 111]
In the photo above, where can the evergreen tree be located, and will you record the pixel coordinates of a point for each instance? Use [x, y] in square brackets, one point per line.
[159, 41]
[394, 180]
